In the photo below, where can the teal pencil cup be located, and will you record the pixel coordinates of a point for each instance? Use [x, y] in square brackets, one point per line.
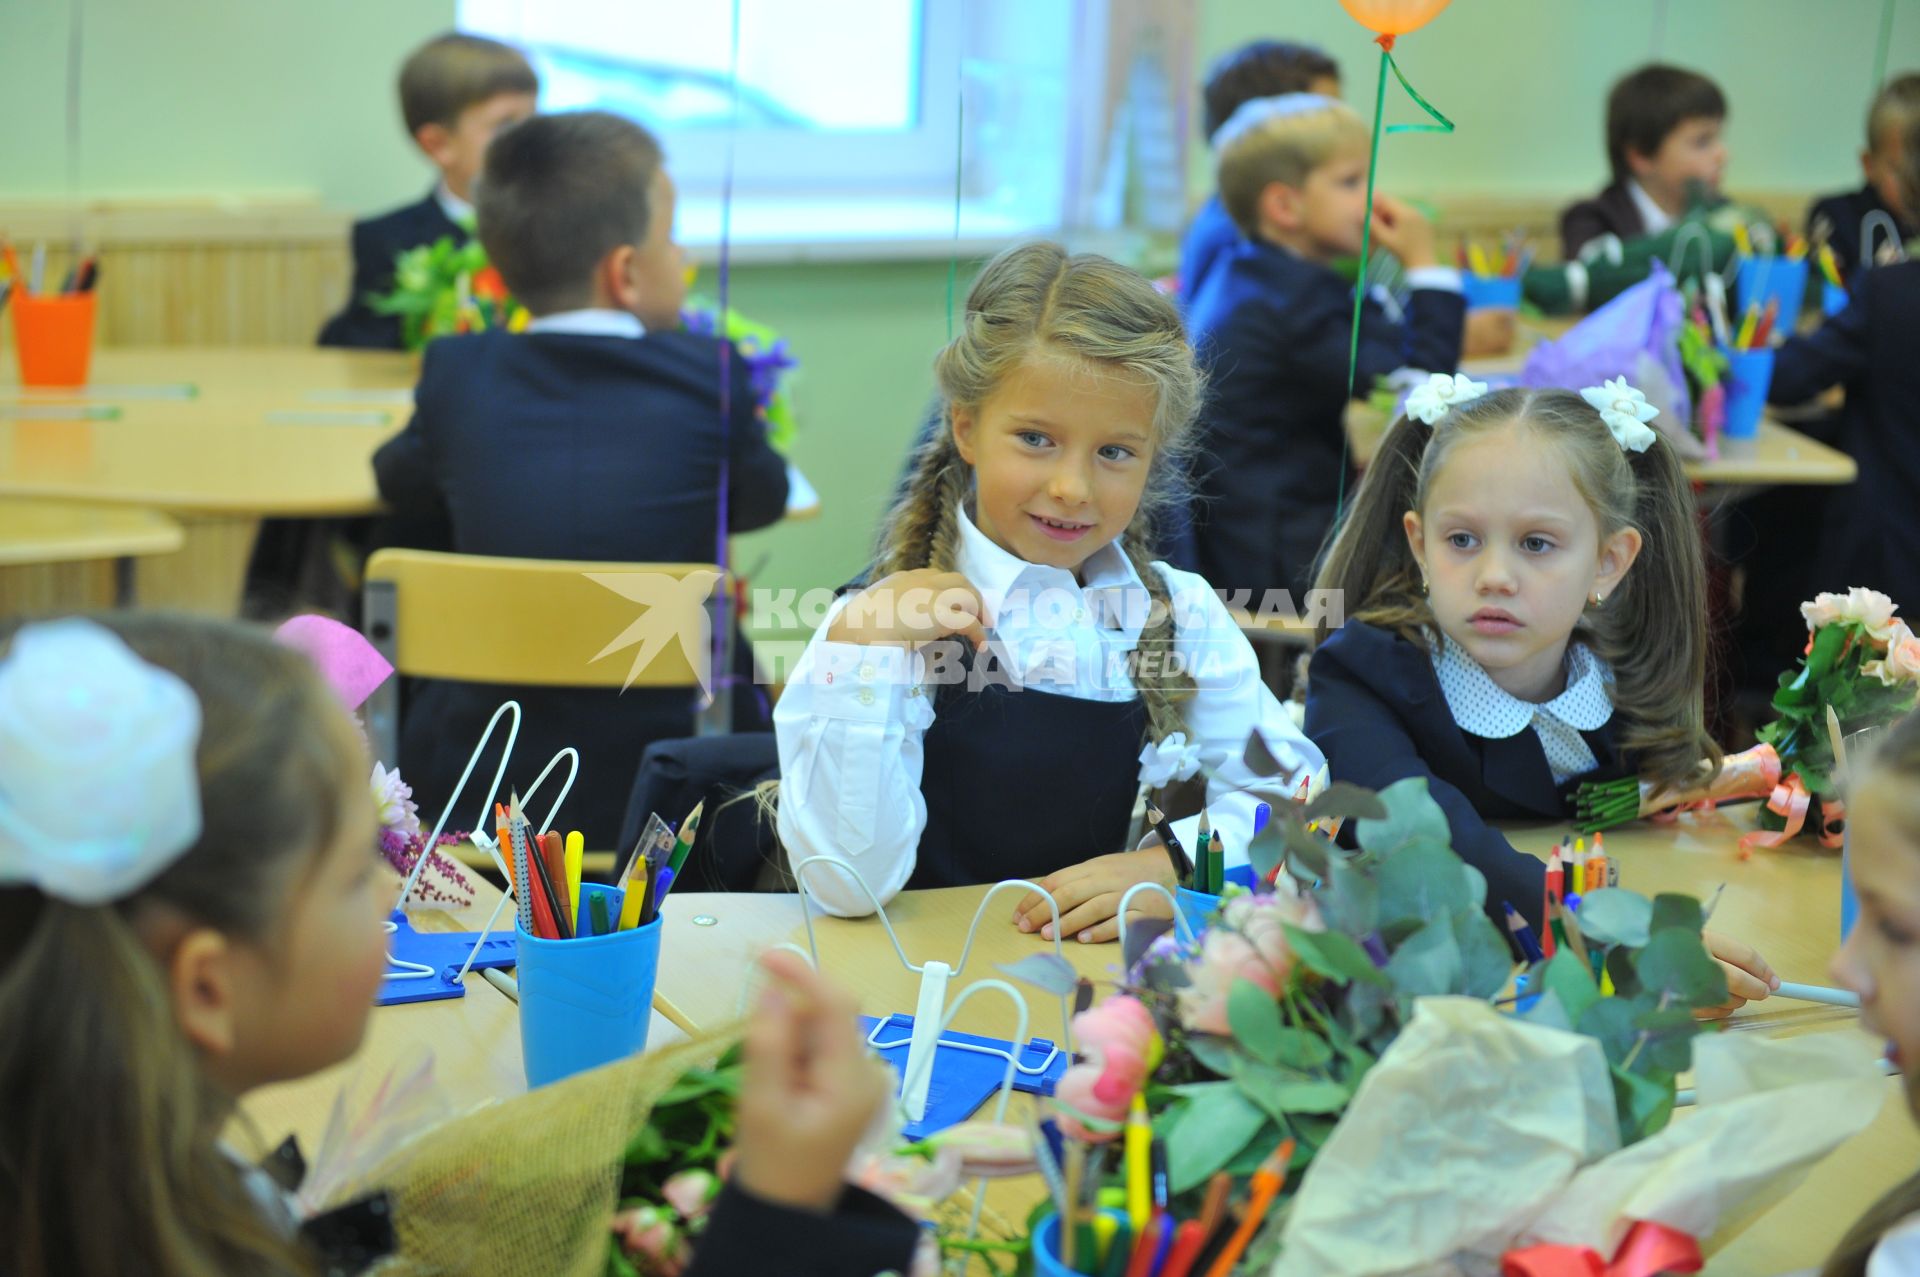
[1748, 374]
[1490, 292]
[1195, 906]
[1046, 1250]
[1772, 279]
[584, 1003]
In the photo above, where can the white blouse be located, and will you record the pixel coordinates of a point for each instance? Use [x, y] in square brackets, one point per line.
[1483, 708]
[853, 717]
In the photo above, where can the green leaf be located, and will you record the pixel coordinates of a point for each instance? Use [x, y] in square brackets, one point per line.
[1255, 1019]
[1048, 971]
[1349, 900]
[1300, 1049]
[1412, 816]
[1549, 1013]
[1485, 959]
[1306, 850]
[1645, 1104]
[1426, 880]
[1266, 852]
[1205, 1132]
[1213, 1054]
[1140, 938]
[1428, 963]
[1570, 980]
[1333, 955]
[1626, 981]
[1614, 915]
[1609, 1021]
[1669, 1035]
[1673, 910]
[1343, 801]
[1259, 759]
[1313, 1096]
[1676, 963]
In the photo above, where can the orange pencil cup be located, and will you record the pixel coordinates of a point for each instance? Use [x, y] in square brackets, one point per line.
[53, 335]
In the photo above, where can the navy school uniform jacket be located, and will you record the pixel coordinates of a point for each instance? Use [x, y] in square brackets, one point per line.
[376, 242]
[1375, 708]
[1210, 237]
[746, 1237]
[1842, 215]
[570, 446]
[1272, 330]
[1870, 348]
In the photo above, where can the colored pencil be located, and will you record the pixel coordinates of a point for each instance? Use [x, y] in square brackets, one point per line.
[1266, 1185]
[1182, 865]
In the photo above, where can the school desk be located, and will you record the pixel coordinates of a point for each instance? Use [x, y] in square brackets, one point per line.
[56, 554]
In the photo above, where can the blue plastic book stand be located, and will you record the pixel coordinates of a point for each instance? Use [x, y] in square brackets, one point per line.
[964, 1080]
[443, 952]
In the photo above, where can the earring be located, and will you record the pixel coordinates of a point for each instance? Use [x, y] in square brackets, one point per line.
[1598, 598]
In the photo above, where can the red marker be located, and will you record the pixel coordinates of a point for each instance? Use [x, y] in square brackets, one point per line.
[1188, 1240]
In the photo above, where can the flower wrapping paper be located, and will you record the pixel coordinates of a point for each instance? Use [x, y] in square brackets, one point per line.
[1477, 1133]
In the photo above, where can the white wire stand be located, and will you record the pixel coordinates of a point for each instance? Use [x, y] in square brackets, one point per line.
[929, 1023]
[1877, 220]
[1180, 922]
[480, 839]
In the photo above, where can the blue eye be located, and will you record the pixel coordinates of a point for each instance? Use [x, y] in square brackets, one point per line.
[1032, 438]
[1117, 452]
[1461, 540]
[1536, 545]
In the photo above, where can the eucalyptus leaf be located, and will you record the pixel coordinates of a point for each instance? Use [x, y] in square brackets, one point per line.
[1215, 1123]
[1333, 955]
[1614, 915]
[1609, 1021]
[1426, 880]
[1306, 850]
[1343, 801]
[1619, 965]
[1214, 1054]
[1349, 900]
[1140, 937]
[1549, 1013]
[1485, 959]
[1266, 852]
[1675, 962]
[1255, 1019]
[1669, 1033]
[1645, 1104]
[1082, 995]
[1300, 1049]
[1429, 963]
[1259, 759]
[1673, 910]
[1571, 981]
[1048, 971]
[1412, 815]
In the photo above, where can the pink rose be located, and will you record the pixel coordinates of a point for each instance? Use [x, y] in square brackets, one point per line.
[1870, 609]
[1902, 661]
[1121, 1047]
[1249, 943]
[648, 1238]
[691, 1193]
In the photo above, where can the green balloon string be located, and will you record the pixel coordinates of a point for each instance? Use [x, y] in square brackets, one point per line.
[1441, 124]
[1886, 39]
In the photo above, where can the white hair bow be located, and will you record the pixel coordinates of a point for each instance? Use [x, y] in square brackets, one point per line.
[1441, 395]
[99, 791]
[1626, 412]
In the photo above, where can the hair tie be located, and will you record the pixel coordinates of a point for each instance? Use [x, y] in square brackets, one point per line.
[1626, 412]
[1442, 393]
[99, 790]
[1257, 111]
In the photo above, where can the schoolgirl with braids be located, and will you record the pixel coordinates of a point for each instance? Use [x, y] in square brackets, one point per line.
[979, 710]
[1525, 600]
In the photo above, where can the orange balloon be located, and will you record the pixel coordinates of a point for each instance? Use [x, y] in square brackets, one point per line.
[1394, 17]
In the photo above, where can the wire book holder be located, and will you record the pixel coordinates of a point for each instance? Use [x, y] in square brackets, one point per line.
[929, 1098]
[1880, 221]
[431, 966]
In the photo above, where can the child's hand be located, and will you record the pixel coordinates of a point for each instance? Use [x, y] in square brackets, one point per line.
[1089, 895]
[911, 609]
[1749, 978]
[1489, 332]
[1400, 227]
[811, 1088]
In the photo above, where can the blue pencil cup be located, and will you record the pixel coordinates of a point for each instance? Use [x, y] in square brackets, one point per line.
[1768, 279]
[1849, 903]
[1748, 374]
[1046, 1250]
[1833, 299]
[1195, 906]
[584, 1003]
[1490, 292]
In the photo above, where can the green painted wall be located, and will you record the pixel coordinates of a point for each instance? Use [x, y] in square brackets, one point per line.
[258, 97]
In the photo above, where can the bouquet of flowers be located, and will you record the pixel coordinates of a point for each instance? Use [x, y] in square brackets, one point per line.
[1861, 670]
[1252, 1050]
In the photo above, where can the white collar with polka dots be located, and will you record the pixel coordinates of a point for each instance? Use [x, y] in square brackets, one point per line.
[1483, 708]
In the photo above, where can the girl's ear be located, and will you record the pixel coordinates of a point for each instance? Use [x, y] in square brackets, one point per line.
[1416, 540]
[1617, 554]
[964, 425]
[201, 980]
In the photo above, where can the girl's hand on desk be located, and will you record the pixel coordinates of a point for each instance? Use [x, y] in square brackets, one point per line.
[909, 609]
[1749, 978]
[811, 1088]
[1089, 895]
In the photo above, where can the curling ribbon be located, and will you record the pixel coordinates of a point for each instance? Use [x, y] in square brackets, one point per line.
[1790, 799]
[1649, 1249]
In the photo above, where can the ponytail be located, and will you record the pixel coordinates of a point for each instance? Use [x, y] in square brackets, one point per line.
[1369, 564]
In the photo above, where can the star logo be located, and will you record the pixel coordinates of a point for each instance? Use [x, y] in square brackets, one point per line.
[675, 613]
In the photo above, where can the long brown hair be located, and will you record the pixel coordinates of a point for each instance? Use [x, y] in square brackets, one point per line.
[1036, 299]
[109, 1160]
[1895, 760]
[1652, 629]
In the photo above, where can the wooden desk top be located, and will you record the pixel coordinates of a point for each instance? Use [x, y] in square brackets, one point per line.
[225, 377]
[62, 532]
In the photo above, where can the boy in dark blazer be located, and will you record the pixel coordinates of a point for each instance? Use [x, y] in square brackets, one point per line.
[596, 434]
[1261, 69]
[1837, 218]
[456, 92]
[1271, 323]
[1664, 143]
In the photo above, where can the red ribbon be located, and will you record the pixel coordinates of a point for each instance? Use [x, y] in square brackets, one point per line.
[1648, 1249]
[1791, 800]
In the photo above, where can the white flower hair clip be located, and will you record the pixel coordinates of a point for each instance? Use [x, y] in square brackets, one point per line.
[1441, 395]
[1172, 759]
[1626, 412]
[98, 788]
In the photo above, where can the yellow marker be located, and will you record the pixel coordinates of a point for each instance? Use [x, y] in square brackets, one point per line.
[1479, 260]
[1580, 867]
[1104, 1227]
[1139, 1167]
[1606, 983]
[1741, 240]
[1747, 325]
[576, 850]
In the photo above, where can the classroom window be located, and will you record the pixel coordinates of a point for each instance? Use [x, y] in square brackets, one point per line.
[854, 117]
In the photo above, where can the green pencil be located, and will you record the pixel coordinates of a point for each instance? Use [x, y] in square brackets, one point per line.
[1216, 855]
[683, 841]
